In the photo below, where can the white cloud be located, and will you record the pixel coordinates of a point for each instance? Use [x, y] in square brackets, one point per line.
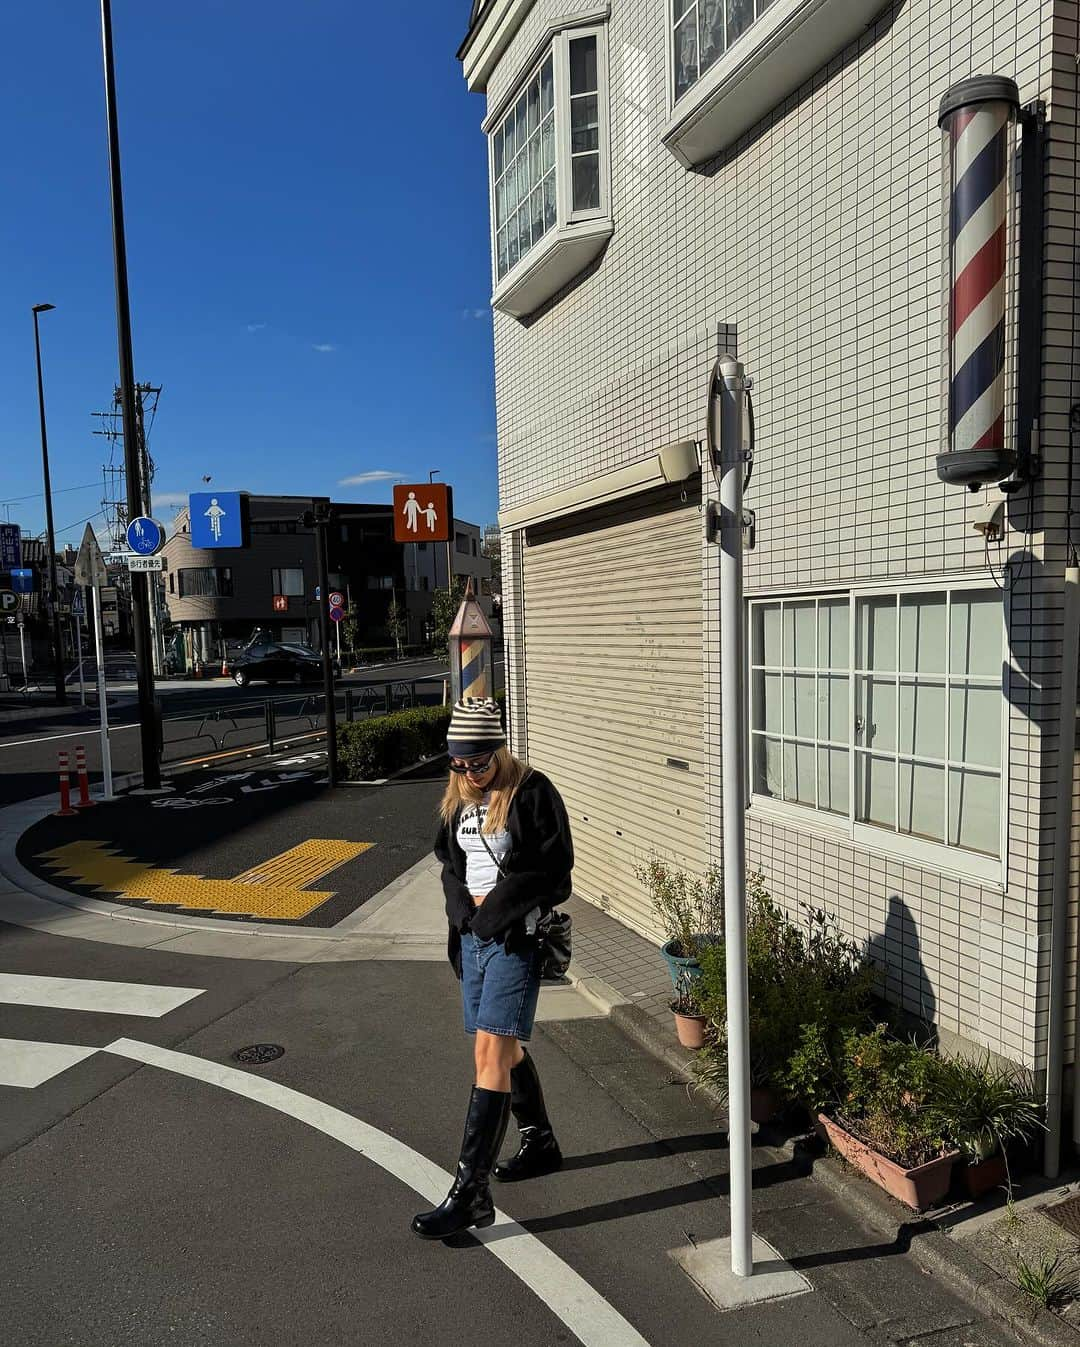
[476, 313]
[378, 475]
[324, 346]
[171, 500]
[255, 327]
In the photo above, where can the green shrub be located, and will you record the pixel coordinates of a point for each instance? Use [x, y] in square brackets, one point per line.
[982, 1104]
[807, 986]
[887, 1083]
[688, 908]
[370, 749]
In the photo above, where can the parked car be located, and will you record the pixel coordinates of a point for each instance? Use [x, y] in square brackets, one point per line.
[275, 663]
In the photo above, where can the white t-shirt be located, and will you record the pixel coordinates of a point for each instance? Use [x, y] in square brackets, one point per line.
[481, 871]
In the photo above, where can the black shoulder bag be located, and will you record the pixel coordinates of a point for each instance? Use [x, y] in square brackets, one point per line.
[553, 932]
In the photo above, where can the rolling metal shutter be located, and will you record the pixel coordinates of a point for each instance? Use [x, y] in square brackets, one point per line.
[613, 676]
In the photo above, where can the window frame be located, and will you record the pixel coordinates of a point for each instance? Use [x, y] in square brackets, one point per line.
[557, 45]
[222, 586]
[279, 572]
[941, 856]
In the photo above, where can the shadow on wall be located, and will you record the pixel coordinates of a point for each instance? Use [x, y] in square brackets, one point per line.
[896, 953]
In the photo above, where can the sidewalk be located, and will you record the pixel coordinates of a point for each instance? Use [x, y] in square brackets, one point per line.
[620, 975]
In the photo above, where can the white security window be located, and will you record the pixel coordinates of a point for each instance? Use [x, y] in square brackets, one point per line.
[549, 171]
[885, 710]
[288, 580]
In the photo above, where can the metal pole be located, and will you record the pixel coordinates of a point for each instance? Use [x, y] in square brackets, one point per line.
[322, 520]
[22, 654]
[52, 597]
[140, 607]
[103, 705]
[728, 403]
[337, 633]
[78, 646]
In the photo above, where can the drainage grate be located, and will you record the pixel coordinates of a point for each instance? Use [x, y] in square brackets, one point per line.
[258, 1054]
[1066, 1214]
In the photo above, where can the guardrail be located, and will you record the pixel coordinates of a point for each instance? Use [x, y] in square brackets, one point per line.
[276, 722]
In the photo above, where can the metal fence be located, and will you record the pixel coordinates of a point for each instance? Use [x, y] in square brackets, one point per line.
[279, 722]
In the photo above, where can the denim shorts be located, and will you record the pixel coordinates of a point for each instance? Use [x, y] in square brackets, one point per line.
[498, 990]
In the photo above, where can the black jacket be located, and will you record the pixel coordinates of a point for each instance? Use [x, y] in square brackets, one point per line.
[537, 869]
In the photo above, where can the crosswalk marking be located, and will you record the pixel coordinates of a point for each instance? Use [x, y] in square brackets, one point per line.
[26, 1064]
[113, 998]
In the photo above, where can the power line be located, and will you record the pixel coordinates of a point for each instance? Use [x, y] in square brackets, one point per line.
[37, 495]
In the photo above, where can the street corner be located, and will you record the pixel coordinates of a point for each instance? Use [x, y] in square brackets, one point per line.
[269, 843]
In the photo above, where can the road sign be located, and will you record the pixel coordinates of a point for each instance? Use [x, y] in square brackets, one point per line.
[90, 564]
[336, 599]
[145, 536]
[138, 563]
[9, 601]
[336, 614]
[423, 513]
[318, 593]
[22, 580]
[281, 603]
[78, 604]
[10, 546]
[216, 519]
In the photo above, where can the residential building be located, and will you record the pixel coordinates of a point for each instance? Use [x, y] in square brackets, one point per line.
[671, 179]
[219, 596]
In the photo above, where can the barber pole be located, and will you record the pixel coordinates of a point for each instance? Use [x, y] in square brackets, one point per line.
[976, 117]
[84, 801]
[65, 785]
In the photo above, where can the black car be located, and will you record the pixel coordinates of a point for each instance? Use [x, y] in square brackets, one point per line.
[275, 663]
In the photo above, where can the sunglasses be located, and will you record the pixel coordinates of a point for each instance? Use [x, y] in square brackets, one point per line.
[476, 766]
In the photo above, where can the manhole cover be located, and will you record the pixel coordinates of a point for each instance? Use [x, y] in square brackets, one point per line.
[1067, 1214]
[258, 1054]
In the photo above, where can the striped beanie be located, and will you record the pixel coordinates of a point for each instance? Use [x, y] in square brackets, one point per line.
[475, 727]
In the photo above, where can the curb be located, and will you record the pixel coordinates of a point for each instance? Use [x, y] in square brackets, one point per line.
[942, 1255]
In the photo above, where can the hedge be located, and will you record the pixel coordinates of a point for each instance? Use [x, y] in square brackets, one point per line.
[369, 750]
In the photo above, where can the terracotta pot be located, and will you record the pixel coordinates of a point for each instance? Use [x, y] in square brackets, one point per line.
[764, 1103]
[983, 1176]
[691, 1029]
[917, 1188]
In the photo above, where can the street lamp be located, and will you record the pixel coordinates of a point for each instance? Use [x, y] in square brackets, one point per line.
[432, 474]
[52, 596]
[471, 663]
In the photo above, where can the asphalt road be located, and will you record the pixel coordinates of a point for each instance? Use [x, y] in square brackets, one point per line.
[200, 719]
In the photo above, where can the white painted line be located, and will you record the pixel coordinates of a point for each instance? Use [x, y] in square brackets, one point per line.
[78, 734]
[25, 1063]
[112, 998]
[582, 1309]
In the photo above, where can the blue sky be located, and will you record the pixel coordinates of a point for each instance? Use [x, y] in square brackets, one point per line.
[307, 244]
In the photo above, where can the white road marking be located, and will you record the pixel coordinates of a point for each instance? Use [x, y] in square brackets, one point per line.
[582, 1309]
[26, 1063]
[113, 998]
[79, 734]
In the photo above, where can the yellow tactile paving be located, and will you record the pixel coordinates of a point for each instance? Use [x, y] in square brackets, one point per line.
[272, 890]
[304, 864]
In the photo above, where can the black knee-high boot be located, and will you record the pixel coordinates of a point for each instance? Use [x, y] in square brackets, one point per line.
[539, 1151]
[468, 1202]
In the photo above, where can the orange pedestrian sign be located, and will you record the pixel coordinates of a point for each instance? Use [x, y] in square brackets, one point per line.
[423, 513]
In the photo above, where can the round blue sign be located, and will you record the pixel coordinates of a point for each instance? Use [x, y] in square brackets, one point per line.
[145, 536]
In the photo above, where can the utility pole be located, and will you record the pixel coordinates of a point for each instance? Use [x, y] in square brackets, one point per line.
[318, 518]
[144, 492]
[52, 598]
[140, 590]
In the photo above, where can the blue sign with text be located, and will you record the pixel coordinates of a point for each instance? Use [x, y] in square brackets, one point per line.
[10, 546]
[145, 535]
[22, 581]
[216, 519]
[78, 604]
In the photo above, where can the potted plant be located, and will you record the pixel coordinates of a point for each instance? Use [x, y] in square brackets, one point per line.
[981, 1105]
[690, 911]
[882, 1125]
[690, 1020]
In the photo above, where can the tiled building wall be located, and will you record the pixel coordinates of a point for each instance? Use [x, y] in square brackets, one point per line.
[819, 236]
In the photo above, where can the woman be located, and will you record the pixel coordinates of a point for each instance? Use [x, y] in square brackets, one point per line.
[506, 855]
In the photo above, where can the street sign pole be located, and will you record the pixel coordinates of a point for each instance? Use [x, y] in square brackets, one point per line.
[140, 590]
[78, 649]
[22, 655]
[321, 517]
[103, 705]
[727, 405]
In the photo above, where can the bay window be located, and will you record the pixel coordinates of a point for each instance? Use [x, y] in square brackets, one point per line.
[549, 173]
[884, 711]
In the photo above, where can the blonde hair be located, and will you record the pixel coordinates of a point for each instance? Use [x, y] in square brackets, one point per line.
[510, 773]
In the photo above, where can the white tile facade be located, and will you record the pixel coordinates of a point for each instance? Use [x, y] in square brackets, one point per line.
[818, 237]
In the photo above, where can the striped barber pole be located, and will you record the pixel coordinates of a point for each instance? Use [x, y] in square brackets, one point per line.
[475, 668]
[976, 117]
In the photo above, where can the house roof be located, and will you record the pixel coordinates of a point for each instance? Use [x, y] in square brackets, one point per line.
[476, 16]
